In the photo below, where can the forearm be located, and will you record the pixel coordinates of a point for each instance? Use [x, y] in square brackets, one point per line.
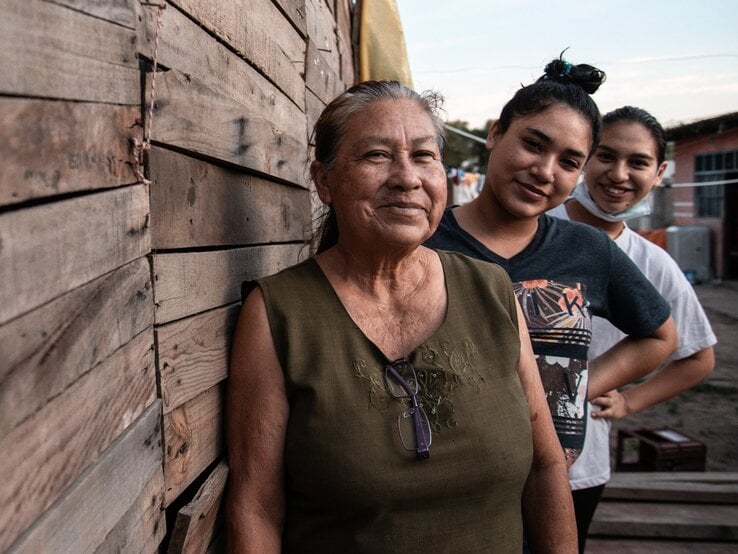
[678, 376]
[248, 532]
[631, 359]
[548, 511]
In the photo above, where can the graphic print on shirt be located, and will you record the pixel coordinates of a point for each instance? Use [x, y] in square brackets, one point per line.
[560, 328]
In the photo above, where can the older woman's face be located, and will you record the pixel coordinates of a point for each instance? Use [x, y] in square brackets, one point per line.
[388, 185]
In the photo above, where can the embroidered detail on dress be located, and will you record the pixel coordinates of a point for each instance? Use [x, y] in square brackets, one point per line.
[440, 369]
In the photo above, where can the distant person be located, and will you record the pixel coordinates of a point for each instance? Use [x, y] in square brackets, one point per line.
[563, 272]
[383, 397]
[627, 165]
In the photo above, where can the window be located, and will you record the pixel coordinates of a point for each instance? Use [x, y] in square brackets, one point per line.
[710, 200]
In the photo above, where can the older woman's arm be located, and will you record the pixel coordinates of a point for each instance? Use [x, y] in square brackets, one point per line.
[256, 422]
[548, 511]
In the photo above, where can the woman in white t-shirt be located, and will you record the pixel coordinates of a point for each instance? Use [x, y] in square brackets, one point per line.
[627, 165]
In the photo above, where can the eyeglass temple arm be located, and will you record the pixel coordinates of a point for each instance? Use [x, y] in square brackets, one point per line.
[423, 449]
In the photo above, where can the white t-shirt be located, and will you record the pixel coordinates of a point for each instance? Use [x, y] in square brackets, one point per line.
[592, 468]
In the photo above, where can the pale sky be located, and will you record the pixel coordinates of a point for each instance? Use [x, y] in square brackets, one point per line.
[678, 59]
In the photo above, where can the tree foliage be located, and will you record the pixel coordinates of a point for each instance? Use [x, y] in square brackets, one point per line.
[464, 152]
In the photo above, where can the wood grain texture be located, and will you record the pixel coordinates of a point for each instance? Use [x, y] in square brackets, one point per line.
[320, 77]
[144, 525]
[90, 510]
[199, 119]
[48, 349]
[321, 30]
[693, 487]
[198, 522]
[53, 148]
[183, 46]
[200, 204]
[193, 354]
[115, 11]
[191, 282]
[343, 39]
[193, 439]
[48, 250]
[54, 52]
[52, 448]
[258, 31]
[295, 12]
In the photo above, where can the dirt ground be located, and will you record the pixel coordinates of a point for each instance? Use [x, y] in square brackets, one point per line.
[709, 411]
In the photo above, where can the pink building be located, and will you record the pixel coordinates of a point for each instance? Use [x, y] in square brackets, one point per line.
[707, 151]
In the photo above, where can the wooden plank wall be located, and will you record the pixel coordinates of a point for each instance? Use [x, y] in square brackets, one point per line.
[118, 295]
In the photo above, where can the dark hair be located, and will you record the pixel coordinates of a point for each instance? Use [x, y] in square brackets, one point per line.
[561, 83]
[331, 127]
[637, 115]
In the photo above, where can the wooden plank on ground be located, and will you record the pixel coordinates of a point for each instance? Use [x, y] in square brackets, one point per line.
[144, 525]
[198, 522]
[50, 249]
[115, 11]
[58, 147]
[95, 503]
[321, 30]
[199, 204]
[193, 439]
[193, 354]
[54, 52]
[49, 450]
[192, 282]
[295, 12]
[199, 119]
[692, 487]
[48, 349]
[258, 31]
[641, 546]
[708, 522]
[320, 77]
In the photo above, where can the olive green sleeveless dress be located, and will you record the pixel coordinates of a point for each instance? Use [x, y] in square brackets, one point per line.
[351, 486]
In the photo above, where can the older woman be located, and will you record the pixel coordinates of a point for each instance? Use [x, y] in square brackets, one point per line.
[384, 397]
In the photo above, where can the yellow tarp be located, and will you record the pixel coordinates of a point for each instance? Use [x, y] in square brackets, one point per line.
[382, 52]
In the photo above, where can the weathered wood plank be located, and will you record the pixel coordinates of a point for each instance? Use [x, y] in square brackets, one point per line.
[261, 34]
[200, 119]
[199, 204]
[90, 509]
[115, 11]
[295, 12]
[144, 525]
[197, 522]
[320, 77]
[185, 47]
[48, 451]
[189, 283]
[313, 108]
[50, 249]
[692, 487]
[641, 546]
[48, 349]
[344, 40]
[57, 147]
[321, 29]
[193, 439]
[193, 354]
[666, 520]
[52, 51]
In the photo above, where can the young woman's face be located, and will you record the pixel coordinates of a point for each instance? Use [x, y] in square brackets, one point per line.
[624, 168]
[388, 184]
[534, 165]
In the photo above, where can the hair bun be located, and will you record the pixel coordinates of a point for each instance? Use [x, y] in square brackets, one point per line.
[586, 76]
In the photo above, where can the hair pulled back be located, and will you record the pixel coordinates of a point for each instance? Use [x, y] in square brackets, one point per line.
[561, 83]
[331, 126]
[638, 115]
